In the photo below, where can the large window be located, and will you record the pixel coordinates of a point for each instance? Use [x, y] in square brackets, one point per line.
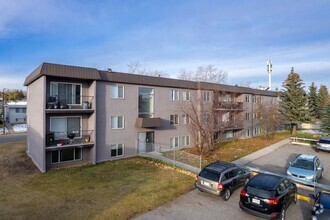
[174, 142]
[117, 150]
[117, 122]
[65, 155]
[229, 134]
[117, 92]
[174, 119]
[20, 110]
[66, 93]
[61, 126]
[174, 95]
[146, 102]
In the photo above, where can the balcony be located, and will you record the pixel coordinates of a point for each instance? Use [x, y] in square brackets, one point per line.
[70, 104]
[148, 122]
[228, 106]
[64, 139]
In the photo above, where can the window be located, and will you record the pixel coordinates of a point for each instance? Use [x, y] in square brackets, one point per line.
[66, 93]
[24, 110]
[229, 134]
[117, 122]
[174, 95]
[206, 96]
[61, 126]
[174, 142]
[228, 98]
[185, 140]
[65, 155]
[259, 99]
[206, 118]
[185, 95]
[254, 99]
[117, 92]
[247, 133]
[255, 131]
[174, 119]
[146, 102]
[254, 115]
[20, 110]
[225, 117]
[247, 116]
[117, 150]
[247, 98]
[185, 119]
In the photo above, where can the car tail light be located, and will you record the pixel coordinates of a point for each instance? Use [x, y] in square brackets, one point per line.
[220, 186]
[272, 201]
[244, 193]
[196, 178]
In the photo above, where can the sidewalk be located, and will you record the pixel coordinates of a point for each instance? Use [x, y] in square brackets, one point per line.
[242, 161]
[9, 127]
[158, 156]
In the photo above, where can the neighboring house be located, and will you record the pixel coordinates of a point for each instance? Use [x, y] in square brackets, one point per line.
[84, 115]
[15, 112]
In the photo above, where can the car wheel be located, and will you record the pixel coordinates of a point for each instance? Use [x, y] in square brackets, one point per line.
[226, 194]
[283, 212]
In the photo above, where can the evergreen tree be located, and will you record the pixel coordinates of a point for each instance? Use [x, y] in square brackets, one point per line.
[325, 121]
[323, 99]
[294, 102]
[312, 101]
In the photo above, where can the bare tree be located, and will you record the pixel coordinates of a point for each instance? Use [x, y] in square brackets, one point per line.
[208, 73]
[137, 68]
[270, 118]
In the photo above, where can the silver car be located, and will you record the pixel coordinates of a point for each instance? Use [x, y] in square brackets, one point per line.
[323, 144]
[306, 168]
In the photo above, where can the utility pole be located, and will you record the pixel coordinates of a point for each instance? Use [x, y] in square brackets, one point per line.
[3, 111]
[269, 70]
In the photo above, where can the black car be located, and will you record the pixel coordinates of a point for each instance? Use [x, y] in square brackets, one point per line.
[268, 196]
[321, 206]
[221, 179]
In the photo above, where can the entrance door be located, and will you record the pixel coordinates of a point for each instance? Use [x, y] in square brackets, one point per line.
[142, 142]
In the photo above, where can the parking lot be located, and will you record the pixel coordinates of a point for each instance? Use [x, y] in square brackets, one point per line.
[198, 205]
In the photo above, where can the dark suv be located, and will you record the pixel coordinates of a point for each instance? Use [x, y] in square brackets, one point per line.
[221, 179]
[268, 196]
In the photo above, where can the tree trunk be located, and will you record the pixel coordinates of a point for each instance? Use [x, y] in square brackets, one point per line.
[293, 129]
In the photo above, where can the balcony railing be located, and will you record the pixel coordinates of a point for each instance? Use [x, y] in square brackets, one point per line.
[229, 105]
[69, 138]
[70, 102]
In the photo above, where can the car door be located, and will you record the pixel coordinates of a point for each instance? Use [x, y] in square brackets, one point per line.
[283, 193]
[291, 189]
[233, 176]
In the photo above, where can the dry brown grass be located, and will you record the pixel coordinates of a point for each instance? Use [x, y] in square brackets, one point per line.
[230, 151]
[114, 190]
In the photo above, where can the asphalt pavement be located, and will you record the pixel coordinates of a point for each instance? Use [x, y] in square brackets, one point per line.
[11, 138]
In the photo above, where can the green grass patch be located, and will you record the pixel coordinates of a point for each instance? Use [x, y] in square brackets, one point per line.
[118, 189]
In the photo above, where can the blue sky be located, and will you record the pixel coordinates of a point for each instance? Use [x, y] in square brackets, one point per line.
[236, 36]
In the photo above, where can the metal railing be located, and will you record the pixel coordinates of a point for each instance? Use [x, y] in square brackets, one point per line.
[303, 141]
[228, 105]
[61, 138]
[70, 102]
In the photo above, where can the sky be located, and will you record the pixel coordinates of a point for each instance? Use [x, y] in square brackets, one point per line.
[237, 37]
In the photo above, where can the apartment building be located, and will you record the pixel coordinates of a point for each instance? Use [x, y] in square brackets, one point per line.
[15, 112]
[80, 115]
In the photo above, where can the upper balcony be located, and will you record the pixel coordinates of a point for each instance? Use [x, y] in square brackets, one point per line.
[228, 106]
[65, 139]
[70, 104]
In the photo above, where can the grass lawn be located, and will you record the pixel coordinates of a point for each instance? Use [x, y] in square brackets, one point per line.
[113, 190]
[232, 150]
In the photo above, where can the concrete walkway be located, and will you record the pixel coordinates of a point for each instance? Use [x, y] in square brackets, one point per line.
[158, 156]
[242, 161]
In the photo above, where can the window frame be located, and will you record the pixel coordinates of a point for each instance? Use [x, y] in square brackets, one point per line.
[186, 95]
[176, 139]
[67, 161]
[175, 95]
[117, 116]
[206, 96]
[56, 82]
[66, 117]
[117, 145]
[116, 86]
[175, 120]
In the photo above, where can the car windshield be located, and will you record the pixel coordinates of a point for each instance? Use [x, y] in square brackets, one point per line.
[325, 200]
[322, 141]
[267, 194]
[207, 174]
[303, 164]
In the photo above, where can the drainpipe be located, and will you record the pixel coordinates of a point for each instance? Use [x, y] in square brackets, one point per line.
[252, 114]
[3, 110]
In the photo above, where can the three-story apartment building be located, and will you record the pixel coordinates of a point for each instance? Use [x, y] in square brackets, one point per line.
[84, 115]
